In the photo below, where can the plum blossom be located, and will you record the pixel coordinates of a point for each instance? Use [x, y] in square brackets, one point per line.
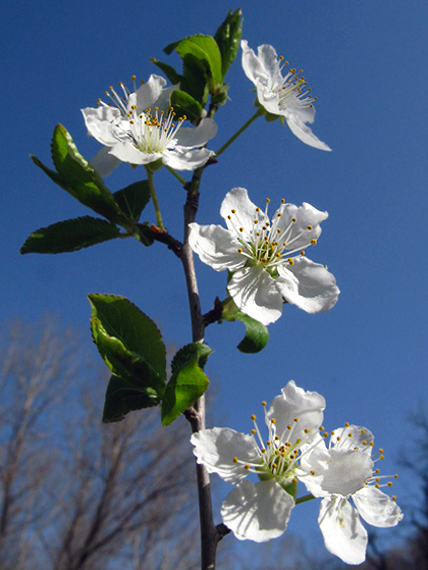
[339, 472]
[140, 127]
[286, 96]
[267, 256]
[260, 511]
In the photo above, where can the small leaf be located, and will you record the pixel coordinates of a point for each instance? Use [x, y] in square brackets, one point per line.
[256, 336]
[123, 397]
[228, 38]
[169, 71]
[133, 199]
[78, 177]
[185, 386]
[145, 234]
[70, 235]
[189, 352]
[185, 104]
[129, 341]
[195, 78]
[205, 49]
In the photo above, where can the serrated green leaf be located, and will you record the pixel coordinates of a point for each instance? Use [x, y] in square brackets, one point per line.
[256, 336]
[185, 104]
[228, 38]
[70, 235]
[123, 397]
[193, 351]
[185, 386]
[129, 341]
[173, 76]
[78, 177]
[133, 199]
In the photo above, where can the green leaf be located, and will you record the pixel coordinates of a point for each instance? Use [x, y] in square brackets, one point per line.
[195, 78]
[194, 351]
[145, 234]
[185, 386]
[129, 342]
[70, 235]
[133, 199]
[205, 49]
[122, 397]
[169, 71]
[185, 104]
[78, 177]
[228, 38]
[256, 336]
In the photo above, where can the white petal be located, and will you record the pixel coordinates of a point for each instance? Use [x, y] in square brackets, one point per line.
[245, 212]
[344, 535]
[251, 64]
[304, 133]
[316, 292]
[99, 121]
[180, 158]
[299, 235]
[255, 294]
[217, 447]
[347, 472]
[205, 131]
[376, 507]
[216, 246]
[258, 511]
[149, 92]
[293, 403]
[314, 457]
[127, 152]
[163, 100]
[361, 437]
[268, 99]
[104, 162]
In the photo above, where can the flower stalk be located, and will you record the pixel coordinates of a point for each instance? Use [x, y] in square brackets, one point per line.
[245, 126]
[154, 198]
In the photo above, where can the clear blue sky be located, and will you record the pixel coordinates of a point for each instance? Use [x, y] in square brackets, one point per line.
[366, 63]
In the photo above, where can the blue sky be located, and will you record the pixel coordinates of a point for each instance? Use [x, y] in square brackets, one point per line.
[366, 63]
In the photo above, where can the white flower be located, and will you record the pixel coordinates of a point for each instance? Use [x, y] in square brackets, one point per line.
[285, 96]
[343, 470]
[139, 128]
[261, 511]
[262, 254]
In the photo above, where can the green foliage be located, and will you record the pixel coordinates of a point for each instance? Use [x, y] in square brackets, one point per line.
[76, 176]
[185, 104]
[131, 345]
[133, 199]
[123, 397]
[228, 38]
[70, 235]
[256, 336]
[187, 383]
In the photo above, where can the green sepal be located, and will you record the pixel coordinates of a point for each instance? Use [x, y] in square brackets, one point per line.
[270, 117]
[256, 336]
[123, 397]
[77, 176]
[220, 97]
[185, 104]
[228, 39]
[70, 235]
[155, 165]
[169, 71]
[290, 488]
[133, 199]
[188, 381]
[129, 342]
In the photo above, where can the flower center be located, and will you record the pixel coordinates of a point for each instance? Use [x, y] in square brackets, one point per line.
[270, 243]
[292, 89]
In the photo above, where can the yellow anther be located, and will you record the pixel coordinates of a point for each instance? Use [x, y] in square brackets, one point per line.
[294, 480]
[241, 229]
[233, 211]
[253, 417]
[338, 439]
[322, 428]
[364, 442]
[240, 250]
[263, 450]
[371, 443]
[389, 484]
[296, 420]
[377, 471]
[273, 421]
[349, 434]
[264, 403]
[253, 431]
[302, 252]
[394, 498]
[377, 485]
[363, 431]
[395, 476]
[307, 430]
[133, 77]
[325, 434]
[132, 122]
[312, 472]
[276, 437]
[274, 466]
[246, 467]
[235, 460]
[277, 255]
[267, 200]
[267, 443]
[346, 424]
[282, 201]
[382, 457]
[294, 220]
[288, 427]
[258, 234]
[290, 261]
[256, 221]
[229, 217]
[313, 242]
[380, 450]
[278, 231]
[257, 209]
[377, 479]
[288, 444]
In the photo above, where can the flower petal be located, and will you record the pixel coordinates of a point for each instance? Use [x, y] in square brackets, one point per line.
[216, 246]
[127, 152]
[245, 212]
[258, 511]
[300, 233]
[253, 67]
[149, 92]
[217, 447]
[180, 158]
[293, 403]
[360, 437]
[104, 162]
[376, 507]
[303, 132]
[256, 295]
[343, 533]
[316, 291]
[99, 120]
[347, 472]
[205, 131]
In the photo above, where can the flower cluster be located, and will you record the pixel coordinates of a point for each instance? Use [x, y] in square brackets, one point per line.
[296, 451]
[140, 127]
[267, 256]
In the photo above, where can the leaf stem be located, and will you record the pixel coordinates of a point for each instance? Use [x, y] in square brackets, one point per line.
[154, 198]
[174, 173]
[257, 114]
[304, 499]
